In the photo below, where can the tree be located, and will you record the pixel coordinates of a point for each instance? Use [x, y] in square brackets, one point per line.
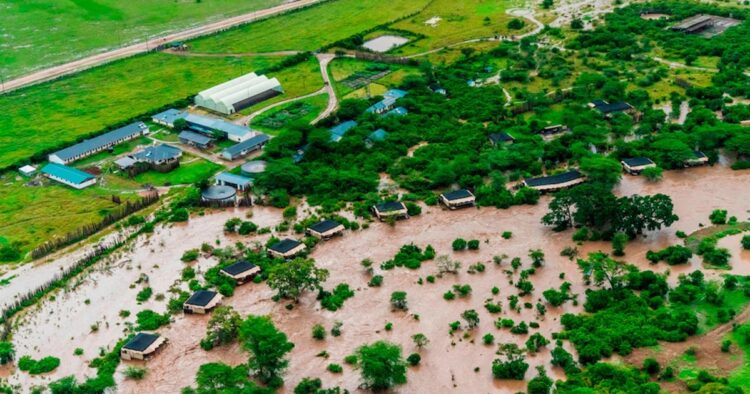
[222, 328]
[420, 340]
[516, 24]
[619, 241]
[472, 318]
[547, 4]
[511, 364]
[222, 378]
[718, 216]
[267, 346]
[602, 170]
[381, 365]
[292, 278]
[7, 352]
[180, 124]
[652, 173]
[540, 384]
[536, 341]
[447, 266]
[746, 242]
[398, 300]
[638, 213]
[602, 269]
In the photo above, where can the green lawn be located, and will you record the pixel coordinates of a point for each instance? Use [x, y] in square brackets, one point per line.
[305, 111]
[31, 215]
[741, 376]
[191, 170]
[55, 114]
[309, 28]
[75, 28]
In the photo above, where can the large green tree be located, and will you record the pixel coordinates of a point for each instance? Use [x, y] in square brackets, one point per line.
[292, 278]
[381, 365]
[268, 348]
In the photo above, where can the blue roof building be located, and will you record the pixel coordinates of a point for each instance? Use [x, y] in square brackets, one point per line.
[168, 117]
[376, 136]
[238, 182]
[389, 100]
[98, 143]
[245, 147]
[398, 111]
[195, 139]
[68, 175]
[338, 131]
[158, 154]
[207, 125]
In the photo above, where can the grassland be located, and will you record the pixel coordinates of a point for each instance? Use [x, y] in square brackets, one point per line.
[54, 114]
[191, 170]
[83, 27]
[304, 111]
[309, 28]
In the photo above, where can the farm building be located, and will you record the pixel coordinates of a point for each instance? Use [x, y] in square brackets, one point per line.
[142, 346]
[395, 209]
[699, 159]
[239, 93]
[27, 170]
[99, 143]
[212, 126]
[457, 199]
[238, 182]
[338, 131]
[325, 229]
[68, 175]
[608, 109]
[201, 302]
[553, 129]
[168, 117]
[694, 24]
[398, 111]
[555, 182]
[286, 248]
[378, 135]
[253, 168]
[245, 147]
[500, 138]
[162, 157]
[219, 194]
[194, 139]
[241, 271]
[386, 104]
[635, 165]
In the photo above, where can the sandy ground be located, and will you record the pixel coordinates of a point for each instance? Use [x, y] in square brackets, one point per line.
[448, 362]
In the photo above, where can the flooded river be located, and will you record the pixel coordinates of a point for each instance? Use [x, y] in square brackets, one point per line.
[448, 362]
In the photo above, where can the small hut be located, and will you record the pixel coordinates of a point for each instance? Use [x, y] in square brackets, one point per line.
[395, 209]
[142, 346]
[241, 271]
[457, 199]
[699, 159]
[286, 248]
[325, 229]
[201, 302]
[635, 165]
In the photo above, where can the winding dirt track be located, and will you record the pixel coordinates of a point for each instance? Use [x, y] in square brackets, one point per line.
[102, 58]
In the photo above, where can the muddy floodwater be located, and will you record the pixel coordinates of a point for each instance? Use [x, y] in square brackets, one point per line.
[458, 362]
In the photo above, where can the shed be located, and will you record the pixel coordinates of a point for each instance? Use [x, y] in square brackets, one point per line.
[98, 143]
[201, 302]
[27, 170]
[245, 147]
[241, 271]
[500, 138]
[194, 139]
[209, 126]
[286, 248]
[238, 182]
[325, 229]
[68, 175]
[168, 117]
[635, 165]
[338, 131]
[458, 199]
[395, 209]
[555, 182]
[236, 94]
[142, 346]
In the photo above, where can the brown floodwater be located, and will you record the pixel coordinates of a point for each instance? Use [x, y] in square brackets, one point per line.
[449, 362]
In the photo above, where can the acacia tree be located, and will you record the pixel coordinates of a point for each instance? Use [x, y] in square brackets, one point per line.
[292, 278]
[222, 328]
[511, 365]
[381, 365]
[602, 268]
[267, 346]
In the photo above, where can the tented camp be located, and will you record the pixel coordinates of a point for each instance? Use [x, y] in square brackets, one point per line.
[635, 165]
[241, 271]
[555, 182]
[699, 158]
[286, 248]
[201, 302]
[325, 229]
[142, 346]
[457, 199]
[239, 93]
[395, 209]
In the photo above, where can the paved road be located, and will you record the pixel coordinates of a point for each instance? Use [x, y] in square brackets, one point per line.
[95, 60]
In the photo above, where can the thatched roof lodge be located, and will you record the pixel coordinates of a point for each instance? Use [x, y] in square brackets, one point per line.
[142, 346]
[286, 248]
[458, 199]
[241, 271]
[395, 209]
[635, 165]
[201, 302]
[554, 183]
[325, 229]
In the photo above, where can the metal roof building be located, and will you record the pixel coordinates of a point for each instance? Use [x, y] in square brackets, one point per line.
[338, 131]
[158, 154]
[98, 143]
[245, 147]
[168, 117]
[195, 139]
[209, 125]
[232, 96]
[389, 99]
[68, 175]
[238, 182]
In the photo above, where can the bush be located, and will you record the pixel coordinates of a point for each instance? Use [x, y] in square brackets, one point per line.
[247, 228]
[7, 352]
[179, 215]
[398, 300]
[718, 216]
[376, 281]
[448, 295]
[144, 294]
[672, 255]
[746, 242]
[652, 173]
[651, 366]
[413, 209]
[488, 339]
[335, 368]
[190, 255]
[414, 359]
[473, 244]
[134, 373]
[459, 244]
[507, 234]
[333, 301]
[36, 367]
[319, 332]
[149, 320]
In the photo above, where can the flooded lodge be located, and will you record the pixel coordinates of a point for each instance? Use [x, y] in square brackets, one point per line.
[554, 183]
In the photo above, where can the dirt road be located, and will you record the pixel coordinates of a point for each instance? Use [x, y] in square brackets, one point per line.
[95, 60]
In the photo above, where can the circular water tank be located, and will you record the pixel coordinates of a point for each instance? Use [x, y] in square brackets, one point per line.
[253, 168]
[219, 193]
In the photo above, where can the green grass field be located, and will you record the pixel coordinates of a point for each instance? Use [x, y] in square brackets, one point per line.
[76, 28]
[275, 120]
[50, 115]
[310, 28]
[191, 170]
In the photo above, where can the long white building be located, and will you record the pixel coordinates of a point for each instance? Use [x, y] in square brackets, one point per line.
[239, 93]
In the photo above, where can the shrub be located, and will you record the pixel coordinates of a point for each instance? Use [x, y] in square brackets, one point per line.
[507, 234]
[190, 255]
[398, 300]
[179, 215]
[318, 332]
[493, 307]
[746, 242]
[247, 228]
[473, 244]
[413, 209]
[332, 301]
[150, 320]
[520, 328]
[581, 235]
[134, 373]
[289, 212]
[375, 281]
[78, 352]
[449, 295]
[488, 339]
[725, 346]
[36, 367]
[651, 366]
[335, 368]
[144, 294]
[7, 352]
[414, 359]
[351, 359]
[336, 329]
[462, 290]
[652, 173]
[718, 216]
[459, 244]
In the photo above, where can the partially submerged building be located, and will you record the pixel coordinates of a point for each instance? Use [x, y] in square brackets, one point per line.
[142, 346]
[70, 176]
[241, 271]
[395, 209]
[201, 302]
[245, 147]
[245, 91]
[555, 182]
[387, 103]
[286, 248]
[98, 143]
[458, 199]
[699, 158]
[338, 131]
[235, 181]
[500, 139]
[199, 141]
[325, 229]
[635, 165]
